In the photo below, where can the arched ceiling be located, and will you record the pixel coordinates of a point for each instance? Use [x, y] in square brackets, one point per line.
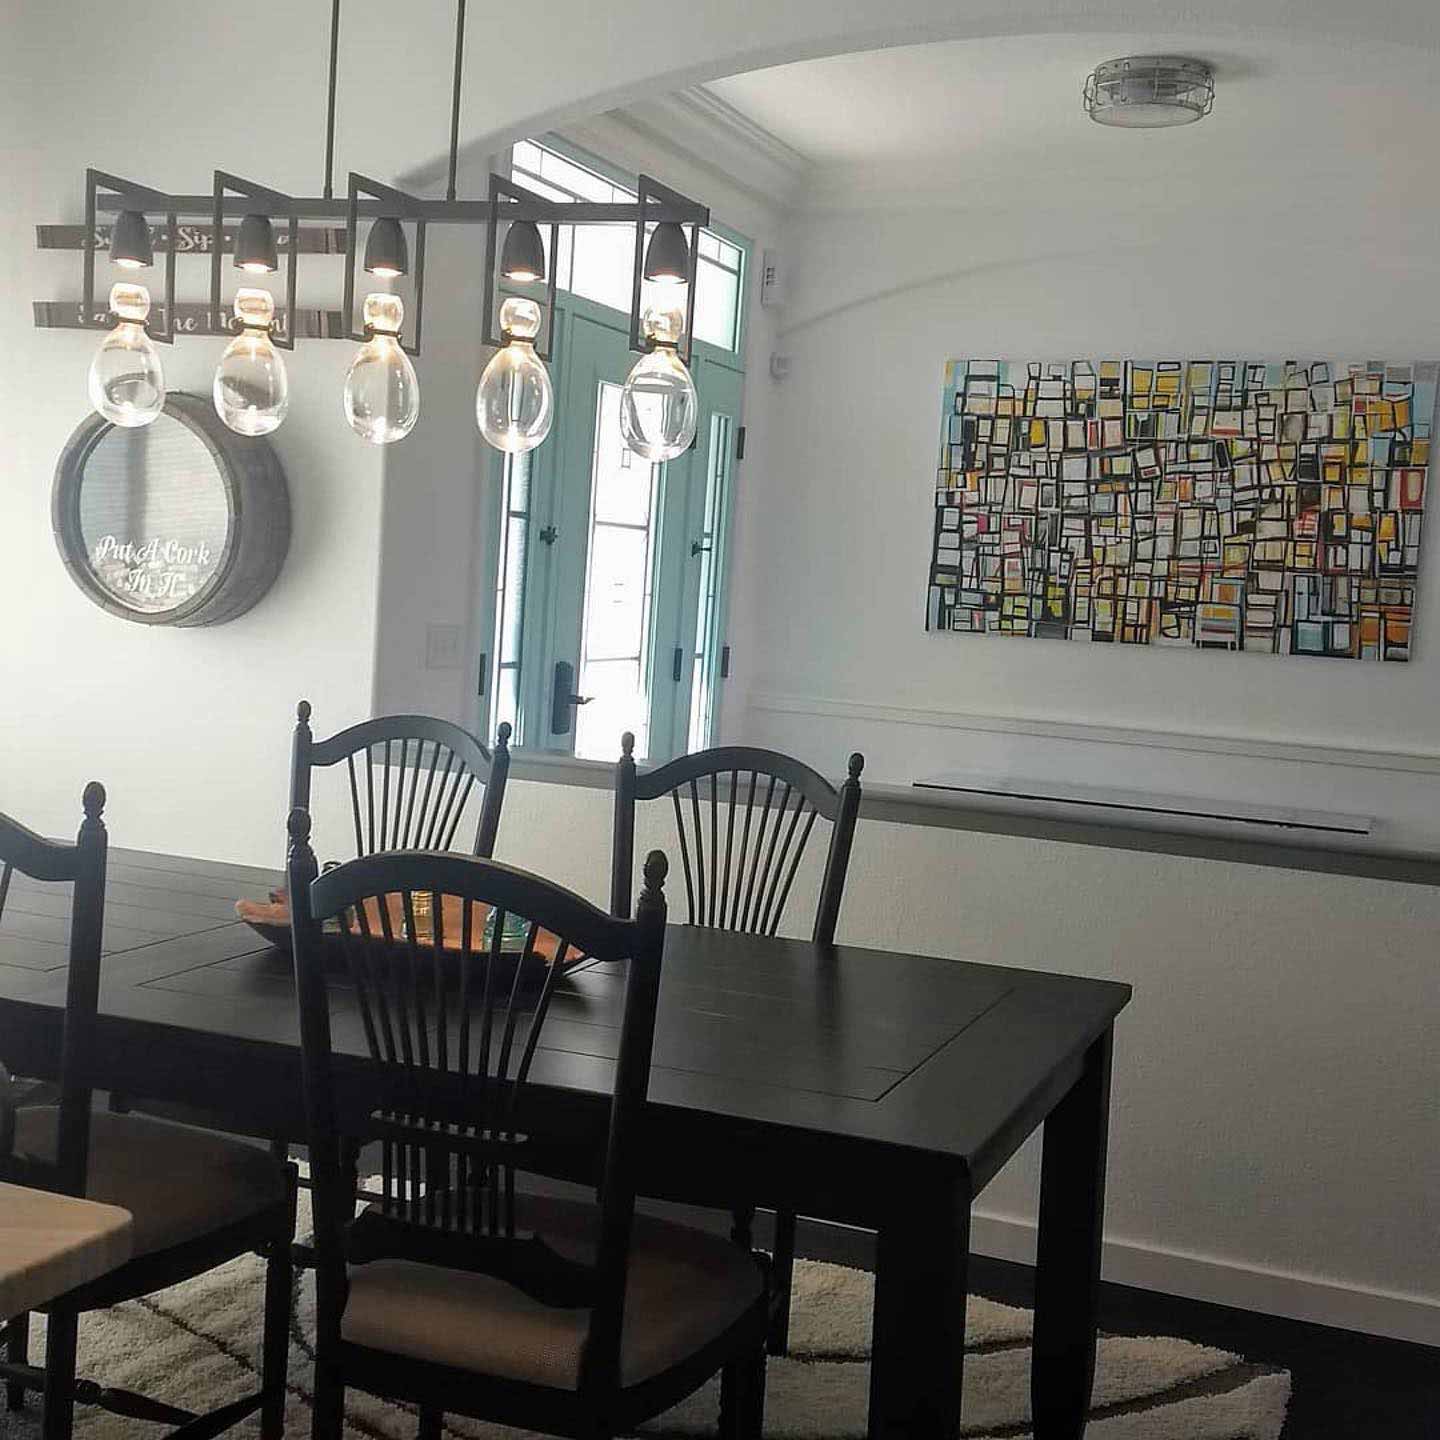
[150, 87]
[992, 122]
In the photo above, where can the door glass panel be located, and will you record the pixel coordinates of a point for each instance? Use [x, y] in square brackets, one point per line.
[717, 303]
[618, 592]
[510, 595]
[622, 491]
[619, 578]
[704, 671]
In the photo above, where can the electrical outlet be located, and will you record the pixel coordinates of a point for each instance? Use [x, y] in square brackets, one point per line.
[443, 647]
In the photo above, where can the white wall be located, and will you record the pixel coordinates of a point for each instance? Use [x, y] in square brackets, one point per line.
[433, 539]
[187, 727]
[1276, 1073]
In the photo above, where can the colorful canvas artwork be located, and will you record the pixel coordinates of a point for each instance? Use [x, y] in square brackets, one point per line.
[1215, 504]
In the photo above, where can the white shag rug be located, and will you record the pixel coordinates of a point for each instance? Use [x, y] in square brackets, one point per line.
[197, 1345]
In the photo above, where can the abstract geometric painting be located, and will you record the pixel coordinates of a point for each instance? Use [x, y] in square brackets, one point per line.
[1215, 504]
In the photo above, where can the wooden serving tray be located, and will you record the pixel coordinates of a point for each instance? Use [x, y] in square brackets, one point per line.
[271, 921]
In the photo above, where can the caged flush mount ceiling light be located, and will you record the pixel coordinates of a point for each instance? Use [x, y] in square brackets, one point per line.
[515, 400]
[1149, 92]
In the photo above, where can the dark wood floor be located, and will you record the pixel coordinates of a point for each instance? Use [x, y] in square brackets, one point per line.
[1346, 1386]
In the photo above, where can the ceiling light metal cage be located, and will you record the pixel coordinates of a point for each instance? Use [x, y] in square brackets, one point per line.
[1149, 92]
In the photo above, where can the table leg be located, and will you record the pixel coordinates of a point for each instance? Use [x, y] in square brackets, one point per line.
[1067, 1265]
[918, 1349]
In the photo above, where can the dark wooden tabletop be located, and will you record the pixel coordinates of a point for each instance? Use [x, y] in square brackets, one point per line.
[940, 1058]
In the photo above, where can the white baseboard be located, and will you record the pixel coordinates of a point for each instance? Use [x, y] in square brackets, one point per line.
[1197, 1277]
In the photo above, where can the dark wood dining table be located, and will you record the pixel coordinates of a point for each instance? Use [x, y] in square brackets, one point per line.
[854, 1085]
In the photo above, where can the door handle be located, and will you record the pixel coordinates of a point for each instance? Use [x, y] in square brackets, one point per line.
[563, 699]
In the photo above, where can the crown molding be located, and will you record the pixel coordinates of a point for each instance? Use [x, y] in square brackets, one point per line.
[712, 135]
[709, 109]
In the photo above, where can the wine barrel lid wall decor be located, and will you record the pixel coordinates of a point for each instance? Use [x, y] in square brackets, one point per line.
[180, 522]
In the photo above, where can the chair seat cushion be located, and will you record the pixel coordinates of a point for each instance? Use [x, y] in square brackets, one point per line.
[684, 1289]
[179, 1183]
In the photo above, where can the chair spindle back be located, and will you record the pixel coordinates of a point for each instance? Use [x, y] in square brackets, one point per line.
[411, 779]
[743, 819]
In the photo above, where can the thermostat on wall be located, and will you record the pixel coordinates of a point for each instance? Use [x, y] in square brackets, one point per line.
[772, 284]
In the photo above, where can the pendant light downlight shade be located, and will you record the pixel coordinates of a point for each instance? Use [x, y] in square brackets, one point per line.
[523, 257]
[387, 253]
[667, 256]
[1149, 92]
[255, 246]
[130, 246]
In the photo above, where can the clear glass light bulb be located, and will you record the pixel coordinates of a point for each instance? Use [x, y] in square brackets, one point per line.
[515, 400]
[127, 385]
[251, 390]
[382, 393]
[658, 406]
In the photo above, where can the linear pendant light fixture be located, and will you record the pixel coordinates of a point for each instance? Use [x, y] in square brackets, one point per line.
[515, 399]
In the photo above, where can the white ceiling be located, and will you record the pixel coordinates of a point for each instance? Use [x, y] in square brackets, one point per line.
[987, 121]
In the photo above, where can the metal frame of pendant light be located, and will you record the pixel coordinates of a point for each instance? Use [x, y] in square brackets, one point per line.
[649, 193]
[520, 204]
[276, 204]
[368, 199]
[127, 196]
[399, 206]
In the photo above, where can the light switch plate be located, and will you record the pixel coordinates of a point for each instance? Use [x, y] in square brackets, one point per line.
[443, 647]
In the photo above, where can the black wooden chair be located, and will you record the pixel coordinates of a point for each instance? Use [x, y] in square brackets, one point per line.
[198, 1199]
[455, 1292]
[743, 818]
[411, 778]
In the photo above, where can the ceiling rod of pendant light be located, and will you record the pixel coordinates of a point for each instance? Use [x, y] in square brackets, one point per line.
[455, 95]
[330, 104]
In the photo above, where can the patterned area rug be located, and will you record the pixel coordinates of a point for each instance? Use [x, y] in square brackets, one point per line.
[197, 1345]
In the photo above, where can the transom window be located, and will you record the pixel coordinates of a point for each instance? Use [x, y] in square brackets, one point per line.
[597, 261]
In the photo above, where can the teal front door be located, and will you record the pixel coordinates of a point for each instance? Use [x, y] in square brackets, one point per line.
[622, 605]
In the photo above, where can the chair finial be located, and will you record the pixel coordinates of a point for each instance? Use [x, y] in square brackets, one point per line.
[657, 867]
[302, 712]
[298, 825]
[857, 764]
[627, 746]
[502, 736]
[93, 800]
